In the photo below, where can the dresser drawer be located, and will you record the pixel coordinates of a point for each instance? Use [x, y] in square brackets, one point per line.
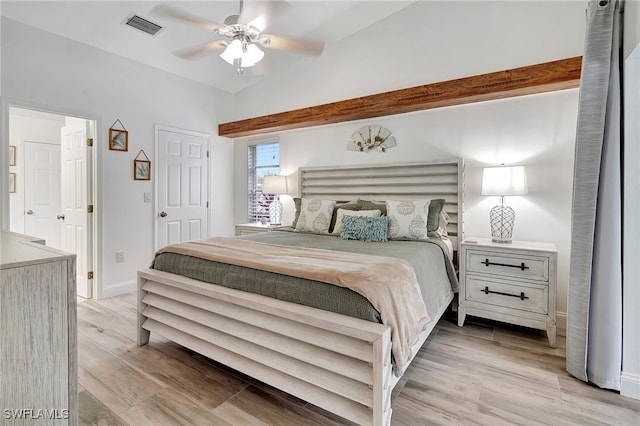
[528, 267]
[487, 291]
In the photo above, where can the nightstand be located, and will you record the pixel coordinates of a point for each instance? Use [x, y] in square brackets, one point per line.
[513, 283]
[252, 228]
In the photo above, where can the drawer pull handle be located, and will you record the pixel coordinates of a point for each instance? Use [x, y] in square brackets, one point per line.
[521, 266]
[521, 295]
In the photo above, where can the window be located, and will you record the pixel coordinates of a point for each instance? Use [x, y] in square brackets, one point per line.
[264, 160]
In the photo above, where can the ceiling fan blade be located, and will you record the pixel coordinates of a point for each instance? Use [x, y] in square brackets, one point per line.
[299, 45]
[194, 52]
[180, 15]
[259, 13]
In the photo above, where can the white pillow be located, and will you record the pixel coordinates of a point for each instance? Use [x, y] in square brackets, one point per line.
[408, 219]
[315, 215]
[344, 212]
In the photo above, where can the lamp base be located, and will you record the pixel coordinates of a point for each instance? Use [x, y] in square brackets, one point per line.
[502, 219]
[275, 212]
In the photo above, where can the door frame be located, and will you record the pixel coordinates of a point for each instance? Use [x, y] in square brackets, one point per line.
[96, 189]
[207, 136]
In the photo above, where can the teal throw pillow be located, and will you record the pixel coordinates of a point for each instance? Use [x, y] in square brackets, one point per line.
[365, 228]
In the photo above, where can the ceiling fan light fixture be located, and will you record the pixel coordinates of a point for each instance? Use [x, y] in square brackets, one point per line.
[232, 52]
[248, 54]
[252, 56]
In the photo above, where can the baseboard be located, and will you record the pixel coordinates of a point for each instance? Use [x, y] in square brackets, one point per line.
[630, 385]
[561, 323]
[117, 289]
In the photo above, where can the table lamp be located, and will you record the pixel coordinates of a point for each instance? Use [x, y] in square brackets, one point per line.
[275, 185]
[503, 181]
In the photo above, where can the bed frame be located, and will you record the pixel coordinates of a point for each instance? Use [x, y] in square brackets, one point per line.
[338, 363]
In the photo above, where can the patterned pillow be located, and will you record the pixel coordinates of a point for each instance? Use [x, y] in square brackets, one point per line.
[365, 228]
[408, 219]
[343, 213]
[315, 215]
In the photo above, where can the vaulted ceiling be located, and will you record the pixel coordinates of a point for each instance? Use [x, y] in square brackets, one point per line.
[101, 24]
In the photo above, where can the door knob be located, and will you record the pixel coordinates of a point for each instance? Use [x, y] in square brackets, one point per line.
[163, 214]
[29, 211]
[60, 216]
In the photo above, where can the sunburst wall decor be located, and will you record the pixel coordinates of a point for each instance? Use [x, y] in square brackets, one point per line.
[370, 138]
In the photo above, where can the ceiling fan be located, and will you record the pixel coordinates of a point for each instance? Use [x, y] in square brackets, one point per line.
[242, 34]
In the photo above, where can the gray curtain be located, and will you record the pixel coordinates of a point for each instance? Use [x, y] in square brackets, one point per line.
[594, 317]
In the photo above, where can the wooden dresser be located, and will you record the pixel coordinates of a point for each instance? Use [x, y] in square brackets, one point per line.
[38, 350]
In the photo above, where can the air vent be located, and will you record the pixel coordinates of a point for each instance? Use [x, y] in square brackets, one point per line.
[142, 24]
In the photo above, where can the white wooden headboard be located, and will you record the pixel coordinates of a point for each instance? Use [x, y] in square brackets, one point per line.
[438, 179]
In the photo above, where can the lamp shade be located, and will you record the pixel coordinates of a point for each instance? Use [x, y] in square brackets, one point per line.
[232, 52]
[274, 185]
[248, 53]
[504, 181]
[252, 56]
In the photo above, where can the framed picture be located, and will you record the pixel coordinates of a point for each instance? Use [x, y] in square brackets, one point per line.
[118, 140]
[141, 169]
[12, 182]
[12, 155]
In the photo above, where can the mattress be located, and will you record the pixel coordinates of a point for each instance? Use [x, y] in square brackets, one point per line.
[430, 260]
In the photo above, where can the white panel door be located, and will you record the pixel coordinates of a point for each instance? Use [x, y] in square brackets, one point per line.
[42, 192]
[77, 230]
[182, 190]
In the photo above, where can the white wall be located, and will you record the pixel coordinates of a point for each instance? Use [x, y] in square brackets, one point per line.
[630, 380]
[631, 36]
[536, 131]
[427, 42]
[54, 73]
[470, 38]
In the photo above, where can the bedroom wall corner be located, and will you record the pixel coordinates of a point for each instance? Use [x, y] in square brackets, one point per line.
[84, 81]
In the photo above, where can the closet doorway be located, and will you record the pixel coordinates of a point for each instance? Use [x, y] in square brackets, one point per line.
[52, 173]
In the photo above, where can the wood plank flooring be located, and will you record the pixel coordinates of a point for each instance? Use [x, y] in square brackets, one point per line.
[483, 373]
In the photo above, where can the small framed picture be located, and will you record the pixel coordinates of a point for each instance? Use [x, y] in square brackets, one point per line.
[12, 155]
[12, 182]
[141, 169]
[118, 140]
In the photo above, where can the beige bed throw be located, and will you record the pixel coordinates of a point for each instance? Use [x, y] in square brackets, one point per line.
[389, 283]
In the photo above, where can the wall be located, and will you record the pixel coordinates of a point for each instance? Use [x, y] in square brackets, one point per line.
[437, 41]
[536, 131]
[631, 36]
[53, 73]
[427, 42]
[630, 380]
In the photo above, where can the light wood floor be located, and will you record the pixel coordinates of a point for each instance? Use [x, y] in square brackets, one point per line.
[483, 373]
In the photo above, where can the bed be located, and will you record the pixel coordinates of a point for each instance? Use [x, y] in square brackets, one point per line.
[341, 363]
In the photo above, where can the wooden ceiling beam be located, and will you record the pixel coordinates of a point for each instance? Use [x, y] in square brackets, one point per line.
[539, 78]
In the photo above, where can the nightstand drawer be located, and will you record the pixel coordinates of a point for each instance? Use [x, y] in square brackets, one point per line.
[501, 264]
[522, 296]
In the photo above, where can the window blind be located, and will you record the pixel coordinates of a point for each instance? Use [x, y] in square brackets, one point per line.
[263, 160]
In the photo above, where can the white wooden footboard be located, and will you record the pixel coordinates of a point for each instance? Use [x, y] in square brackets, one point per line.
[339, 363]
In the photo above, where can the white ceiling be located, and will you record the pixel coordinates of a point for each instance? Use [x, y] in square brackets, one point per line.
[100, 24]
